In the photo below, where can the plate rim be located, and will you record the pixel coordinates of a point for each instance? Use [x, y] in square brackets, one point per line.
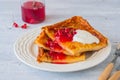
[48, 69]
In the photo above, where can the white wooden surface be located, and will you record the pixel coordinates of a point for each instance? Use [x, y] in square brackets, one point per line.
[104, 15]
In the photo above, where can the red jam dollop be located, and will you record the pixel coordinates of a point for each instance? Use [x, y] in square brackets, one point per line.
[57, 55]
[64, 35]
[53, 45]
[59, 62]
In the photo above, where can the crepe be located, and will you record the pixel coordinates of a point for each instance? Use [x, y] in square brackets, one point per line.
[77, 23]
[43, 56]
[44, 51]
[67, 51]
[41, 41]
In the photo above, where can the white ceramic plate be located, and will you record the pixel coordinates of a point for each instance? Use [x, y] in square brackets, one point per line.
[26, 51]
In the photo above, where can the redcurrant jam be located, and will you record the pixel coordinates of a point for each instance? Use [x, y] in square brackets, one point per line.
[57, 55]
[59, 62]
[64, 35]
[53, 45]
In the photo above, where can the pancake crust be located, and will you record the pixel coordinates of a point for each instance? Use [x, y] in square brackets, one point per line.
[43, 56]
[74, 51]
[41, 41]
[43, 52]
[76, 48]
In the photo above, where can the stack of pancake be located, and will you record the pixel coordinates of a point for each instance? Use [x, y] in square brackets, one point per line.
[53, 50]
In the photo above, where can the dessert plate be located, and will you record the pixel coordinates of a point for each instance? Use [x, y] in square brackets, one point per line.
[26, 51]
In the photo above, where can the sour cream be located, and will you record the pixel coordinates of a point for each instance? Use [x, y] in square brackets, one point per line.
[85, 37]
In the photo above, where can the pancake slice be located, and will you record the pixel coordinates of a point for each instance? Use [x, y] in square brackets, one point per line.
[42, 41]
[78, 23]
[43, 56]
[56, 42]
[59, 56]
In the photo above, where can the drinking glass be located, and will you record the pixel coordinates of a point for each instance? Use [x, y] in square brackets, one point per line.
[33, 11]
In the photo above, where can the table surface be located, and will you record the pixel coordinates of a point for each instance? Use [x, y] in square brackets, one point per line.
[103, 15]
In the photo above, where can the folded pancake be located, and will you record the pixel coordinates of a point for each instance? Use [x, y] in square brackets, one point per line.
[42, 41]
[44, 56]
[74, 47]
[55, 54]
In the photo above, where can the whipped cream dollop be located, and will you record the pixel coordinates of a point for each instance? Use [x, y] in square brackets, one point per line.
[85, 37]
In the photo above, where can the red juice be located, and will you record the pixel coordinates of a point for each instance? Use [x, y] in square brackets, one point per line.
[33, 12]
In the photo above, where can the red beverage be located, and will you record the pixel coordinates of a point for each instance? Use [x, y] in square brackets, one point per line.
[33, 12]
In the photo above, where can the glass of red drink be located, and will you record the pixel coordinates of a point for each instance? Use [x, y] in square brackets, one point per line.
[33, 11]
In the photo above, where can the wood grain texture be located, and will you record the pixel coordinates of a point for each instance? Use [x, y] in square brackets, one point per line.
[106, 72]
[115, 76]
